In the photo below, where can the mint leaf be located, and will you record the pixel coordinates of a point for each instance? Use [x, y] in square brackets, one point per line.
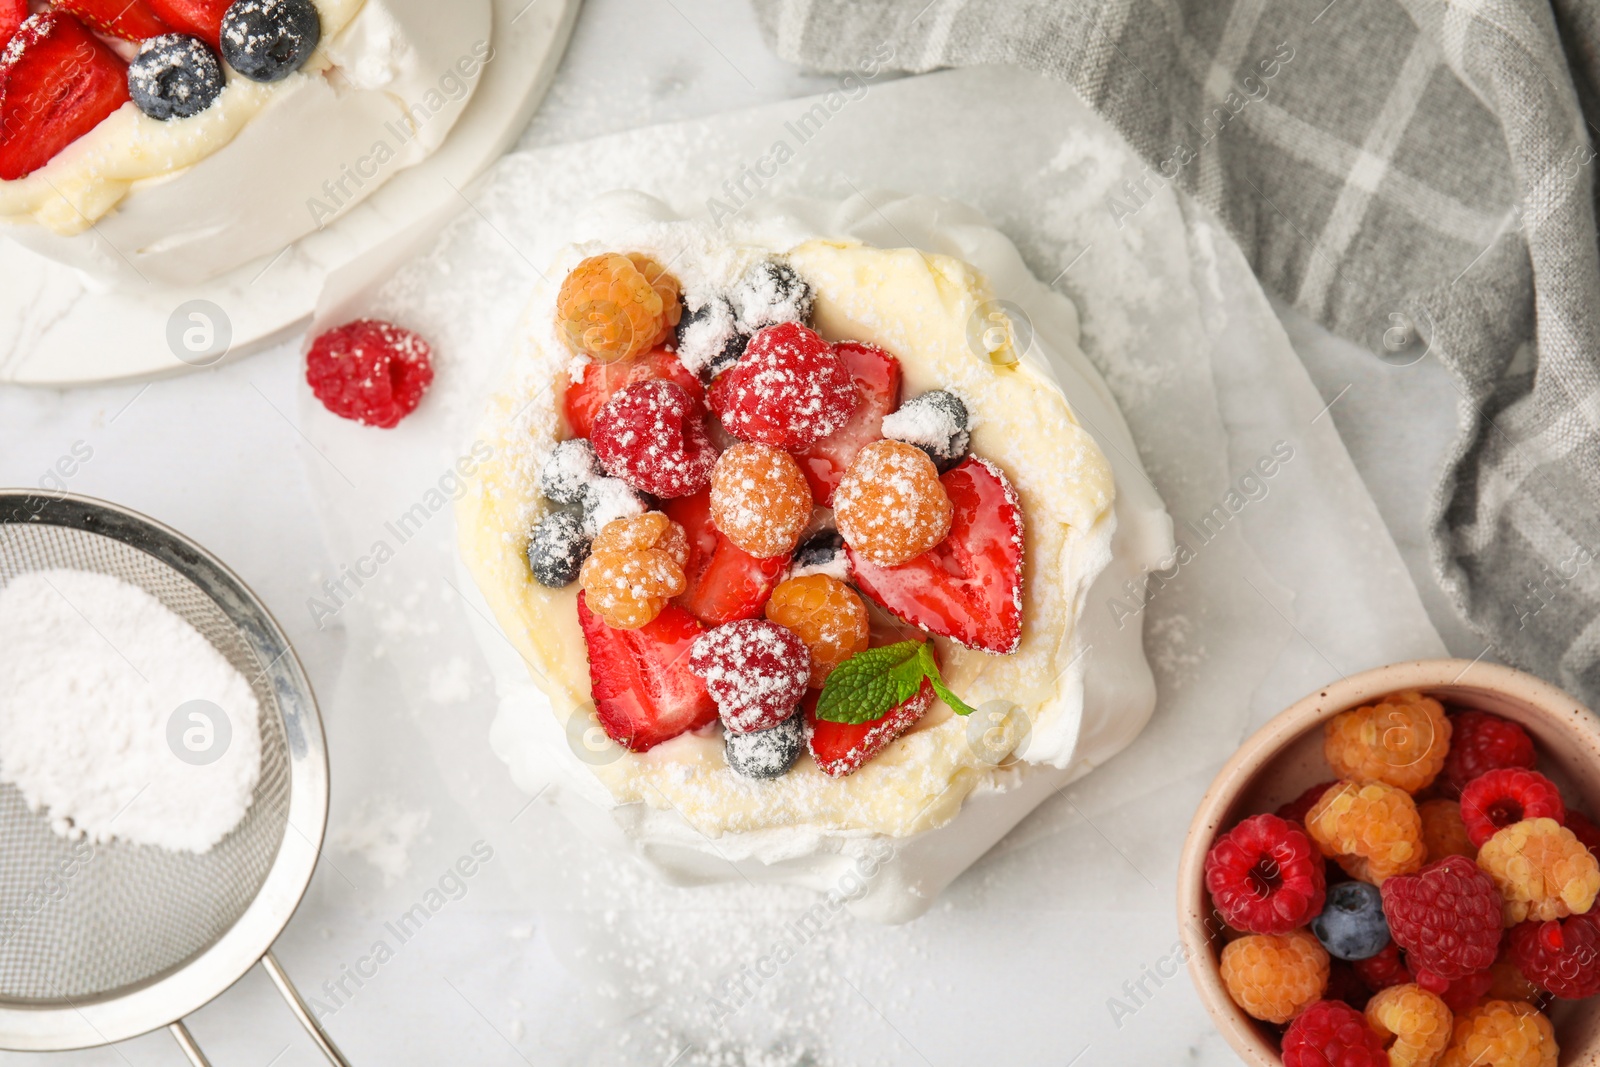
[930, 668]
[868, 684]
[865, 686]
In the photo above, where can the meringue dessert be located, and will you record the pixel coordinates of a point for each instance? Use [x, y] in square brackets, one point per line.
[171, 141]
[800, 525]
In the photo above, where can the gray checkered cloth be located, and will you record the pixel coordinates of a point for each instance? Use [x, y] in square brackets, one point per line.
[1413, 176]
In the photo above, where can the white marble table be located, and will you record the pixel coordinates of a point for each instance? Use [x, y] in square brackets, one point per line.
[217, 455]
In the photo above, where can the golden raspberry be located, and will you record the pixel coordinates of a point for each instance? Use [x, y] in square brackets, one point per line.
[634, 567]
[1372, 830]
[1275, 977]
[1543, 870]
[666, 286]
[1444, 833]
[1401, 740]
[759, 499]
[1502, 1033]
[827, 614]
[890, 505]
[1418, 1022]
[609, 308]
[1509, 983]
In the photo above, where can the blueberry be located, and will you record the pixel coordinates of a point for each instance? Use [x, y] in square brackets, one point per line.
[1352, 926]
[174, 76]
[821, 553]
[772, 292]
[566, 475]
[557, 549]
[709, 338]
[936, 422]
[268, 40]
[767, 753]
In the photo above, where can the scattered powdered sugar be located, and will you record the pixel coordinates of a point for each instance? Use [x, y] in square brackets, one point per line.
[709, 336]
[382, 833]
[450, 682]
[935, 422]
[94, 675]
[606, 499]
[770, 293]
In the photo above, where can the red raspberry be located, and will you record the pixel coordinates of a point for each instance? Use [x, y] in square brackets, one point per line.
[1332, 1032]
[1385, 969]
[1297, 809]
[1496, 799]
[1482, 743]
[651, 436]
[1346, 985]
[1562, 955]
[1464, 994]
[1265, 876]
[370, 371]
[1585, 831]
[789, 390]
[755, 670]
[1447, 918]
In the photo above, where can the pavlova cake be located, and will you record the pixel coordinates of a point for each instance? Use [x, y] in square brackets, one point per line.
[796, 523]
[170, 141]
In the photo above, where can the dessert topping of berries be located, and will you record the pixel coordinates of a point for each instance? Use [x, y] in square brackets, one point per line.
[1447, 918]
[1265, 877]
[725, 581]
[969, 586]
[756, 671]
[1331, 1032]
[935, 422]
[1351, 925]
[127, 20]
[840, 749]
[199, 18]
[709, 338]
[58, 81]
[771, 293]
[766, 753]
[876, 375]
[1371, 830]
[651, 435]
[1543, 871]
[1275, 977]
[759, 499]
[600, 381]
[174, 76]
[827, 615]
[568, 471]
[1482, 743]
[1562, 955]
[789, 390]
[1414, 1022]
[891, 506]
[608, 499]
[634, 567]
[612, 307]
[371, 371]
[821, 553]
[268, 40]
[644, 692]
[1498, 798]
[557, 548]
[1402, 740]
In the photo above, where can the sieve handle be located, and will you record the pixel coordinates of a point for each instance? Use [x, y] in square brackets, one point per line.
[297, 1004]
[186, 1042]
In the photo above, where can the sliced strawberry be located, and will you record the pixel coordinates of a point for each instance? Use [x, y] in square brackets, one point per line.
[877, 377]
[131, 20]
[725, 582]
[840, 748]
[602, 380]
[644, 692]
[12, 15]
[969, 586]
[202, 18]
[57, 82]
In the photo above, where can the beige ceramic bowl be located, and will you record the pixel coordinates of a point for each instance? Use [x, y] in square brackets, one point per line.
[1284, 758]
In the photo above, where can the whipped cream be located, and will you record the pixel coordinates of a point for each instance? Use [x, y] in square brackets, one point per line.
[187, 199]
[1074, 692]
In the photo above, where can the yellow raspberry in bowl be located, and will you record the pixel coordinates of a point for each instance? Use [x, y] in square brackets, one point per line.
[1401, 740]
[1542, 870]
[1372, 831]
[1275, 977]
[1414, 1023]
[1502, 1033]
[1444, 832]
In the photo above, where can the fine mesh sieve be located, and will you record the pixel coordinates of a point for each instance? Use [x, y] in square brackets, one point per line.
[99, 944]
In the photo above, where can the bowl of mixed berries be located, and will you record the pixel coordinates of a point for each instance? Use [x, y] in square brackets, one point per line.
[1402, 870]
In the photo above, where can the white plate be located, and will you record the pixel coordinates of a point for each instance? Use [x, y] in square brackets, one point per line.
[58, 328]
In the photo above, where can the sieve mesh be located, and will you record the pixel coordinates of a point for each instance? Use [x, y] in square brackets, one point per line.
[79, 922]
